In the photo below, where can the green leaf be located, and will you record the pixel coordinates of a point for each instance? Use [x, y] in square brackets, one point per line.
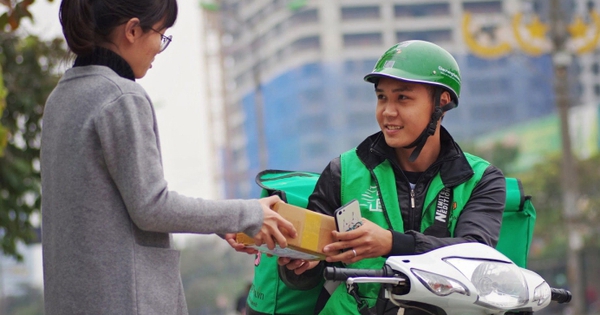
[209, 6]
[3, 140]
[3, 21]
[3, 131]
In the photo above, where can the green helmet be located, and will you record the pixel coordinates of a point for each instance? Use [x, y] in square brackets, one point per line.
[421, 62]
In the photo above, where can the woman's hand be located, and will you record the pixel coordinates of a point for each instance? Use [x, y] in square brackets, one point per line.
[369, 240]
[299, 266]
[274, 225]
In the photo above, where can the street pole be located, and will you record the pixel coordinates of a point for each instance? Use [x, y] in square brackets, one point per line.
[214, 12]
[561, 59]
[253, 47]
[218, 107]
[259, 107]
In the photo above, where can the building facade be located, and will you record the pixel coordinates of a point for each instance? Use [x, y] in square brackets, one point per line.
[293, 89]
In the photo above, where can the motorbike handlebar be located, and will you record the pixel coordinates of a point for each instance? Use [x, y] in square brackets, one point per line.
[342, 274]
[560, 295]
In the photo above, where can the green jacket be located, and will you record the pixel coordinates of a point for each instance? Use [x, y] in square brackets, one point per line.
[479, 220]
[375, 189]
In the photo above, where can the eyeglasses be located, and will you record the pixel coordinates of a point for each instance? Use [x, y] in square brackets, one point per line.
[164, 40]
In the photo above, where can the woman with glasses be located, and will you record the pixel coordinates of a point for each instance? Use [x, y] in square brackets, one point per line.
[107, 210]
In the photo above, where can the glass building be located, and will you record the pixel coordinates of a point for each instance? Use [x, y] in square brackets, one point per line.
[293, 91]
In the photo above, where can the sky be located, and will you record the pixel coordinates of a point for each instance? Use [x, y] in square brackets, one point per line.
[176, 84]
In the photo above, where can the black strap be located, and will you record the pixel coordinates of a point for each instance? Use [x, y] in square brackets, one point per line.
[362, 305]
[438, 111]
[279, 193]
[443, 208]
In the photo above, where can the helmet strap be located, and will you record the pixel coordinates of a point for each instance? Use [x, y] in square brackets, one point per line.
[438, 111]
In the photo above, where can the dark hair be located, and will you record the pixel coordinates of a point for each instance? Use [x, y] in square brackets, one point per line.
[88, 23]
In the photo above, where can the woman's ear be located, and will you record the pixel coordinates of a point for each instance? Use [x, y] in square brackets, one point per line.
[132, 29]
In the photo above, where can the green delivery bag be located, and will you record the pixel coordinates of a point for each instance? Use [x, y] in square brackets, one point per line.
[517, 223]
[269, 295]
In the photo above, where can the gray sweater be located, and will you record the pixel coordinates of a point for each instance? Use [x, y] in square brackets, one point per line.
[106, 208]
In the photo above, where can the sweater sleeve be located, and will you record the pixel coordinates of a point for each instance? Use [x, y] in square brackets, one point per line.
[128, 134]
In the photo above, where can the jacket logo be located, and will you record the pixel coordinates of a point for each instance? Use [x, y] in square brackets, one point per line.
[370, 200]
[443, 204]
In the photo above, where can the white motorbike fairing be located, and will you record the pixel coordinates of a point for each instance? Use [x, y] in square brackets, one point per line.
[469, 278]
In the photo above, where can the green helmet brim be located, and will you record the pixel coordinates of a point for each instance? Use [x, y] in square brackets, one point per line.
[393, 74]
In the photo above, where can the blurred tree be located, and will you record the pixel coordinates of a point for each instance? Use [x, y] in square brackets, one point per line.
[543, 183]
[15, 11]
[29, 75]
[10, 21]
[20, 121]
[500, 154]
[3, 131]
[550, 248]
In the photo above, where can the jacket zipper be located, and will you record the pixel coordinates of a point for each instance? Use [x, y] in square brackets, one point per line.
[413, 205]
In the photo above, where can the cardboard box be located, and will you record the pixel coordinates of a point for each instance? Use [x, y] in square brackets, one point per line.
[314, 232]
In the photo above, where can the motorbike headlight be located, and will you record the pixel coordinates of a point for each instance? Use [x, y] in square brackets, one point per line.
[541, 293]
[500, 285]
[439, 284]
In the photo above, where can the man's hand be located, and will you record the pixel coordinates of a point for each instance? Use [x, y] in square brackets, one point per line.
[299, 266]
[369, 240]
[239, 247]
[273, 226]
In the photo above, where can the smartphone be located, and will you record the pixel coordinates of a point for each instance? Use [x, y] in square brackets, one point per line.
[348, 217]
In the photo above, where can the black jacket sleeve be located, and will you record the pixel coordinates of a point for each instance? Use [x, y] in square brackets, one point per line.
[326, 196]
[479, 221]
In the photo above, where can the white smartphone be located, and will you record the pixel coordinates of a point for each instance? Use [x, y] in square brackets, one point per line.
[348, 217]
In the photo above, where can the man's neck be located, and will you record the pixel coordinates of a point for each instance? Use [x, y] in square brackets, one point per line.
[428, 155]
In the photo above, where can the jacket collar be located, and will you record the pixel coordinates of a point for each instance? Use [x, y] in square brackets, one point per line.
[451, 163]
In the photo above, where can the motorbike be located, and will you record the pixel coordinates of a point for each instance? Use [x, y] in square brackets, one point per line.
[461, 279]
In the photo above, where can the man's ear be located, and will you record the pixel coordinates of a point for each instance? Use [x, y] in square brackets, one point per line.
[445, 98]
[132, 29]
